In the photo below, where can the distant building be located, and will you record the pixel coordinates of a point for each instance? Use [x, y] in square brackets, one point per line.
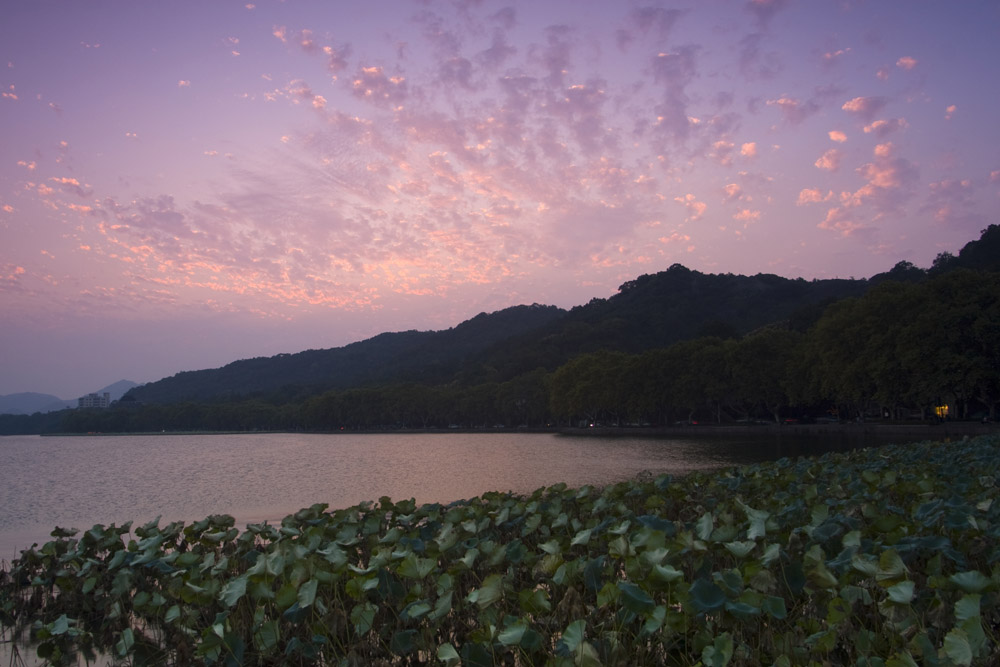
[94, 400]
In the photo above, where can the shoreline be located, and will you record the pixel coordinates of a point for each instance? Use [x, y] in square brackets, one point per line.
[924, 430]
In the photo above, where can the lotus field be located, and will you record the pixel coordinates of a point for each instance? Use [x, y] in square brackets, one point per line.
[884, 556]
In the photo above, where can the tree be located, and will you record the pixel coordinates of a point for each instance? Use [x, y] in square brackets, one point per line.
[761, 364]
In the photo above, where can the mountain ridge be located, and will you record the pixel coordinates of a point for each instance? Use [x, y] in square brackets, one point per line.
[649, 311]
[30, 402]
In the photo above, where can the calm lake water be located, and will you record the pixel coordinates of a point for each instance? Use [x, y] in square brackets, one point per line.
[84, 480]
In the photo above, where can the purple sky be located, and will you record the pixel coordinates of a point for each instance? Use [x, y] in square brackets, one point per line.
[183, 184]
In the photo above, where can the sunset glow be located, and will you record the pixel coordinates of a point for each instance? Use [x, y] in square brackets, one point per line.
[184, 184]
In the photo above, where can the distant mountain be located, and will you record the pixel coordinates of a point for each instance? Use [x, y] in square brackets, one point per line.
[424, 356]
[29, 402]
[118, 389]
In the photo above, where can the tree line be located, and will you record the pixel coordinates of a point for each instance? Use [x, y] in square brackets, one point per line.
[899, 351]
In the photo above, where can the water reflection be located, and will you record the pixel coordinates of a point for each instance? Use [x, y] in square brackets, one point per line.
[79, 481]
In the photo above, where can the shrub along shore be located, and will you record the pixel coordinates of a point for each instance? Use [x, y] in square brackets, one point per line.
[884, 556]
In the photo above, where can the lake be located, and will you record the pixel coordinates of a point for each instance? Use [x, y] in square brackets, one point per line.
[78, 481]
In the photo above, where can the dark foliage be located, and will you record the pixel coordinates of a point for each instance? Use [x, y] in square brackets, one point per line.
[429, 356]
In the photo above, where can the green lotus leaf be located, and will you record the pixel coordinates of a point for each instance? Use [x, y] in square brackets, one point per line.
[125, 643]
[551, 547]
[447, 654]
[414, 567]
[447, 537]
[531, 524]
[704, 526]
[513, 634]
[515, 552]
[774, 607]
[903, 659]
[307, 593]
[534, 601]
[654, 556]
[757, 519]
[442, 607]
[972, 581]
[233, 591]
[957, 647]
[475, 654]
[742, 610]
[362, 616]
[967, 607]
[489, 593]
[719, 652]
[901, 593]
[402, 642]
[581, 537]
[172, 614]
[334, 555]
[654, 621]
[266, 637]
[771, 553]
[706, 596]
[572, 637]
[415, 610]
[658, 523]
[740, 549]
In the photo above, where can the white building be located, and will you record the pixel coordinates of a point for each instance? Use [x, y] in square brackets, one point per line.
[94, 400]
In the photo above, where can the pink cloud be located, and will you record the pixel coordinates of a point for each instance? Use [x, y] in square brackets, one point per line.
[184, 83]
[830, 160]
[949, 112]
[733, 192]
[337, 59]
[838, 136]
[749, 149]
[865, 107]
[695, 209]
[906, 62]
[675, 237]
[747, 216]
[794, 110]
[722, 152]
[840, 220]
[831, 56]
[373, 85]
[72, 186]
[884, 127]
[813, 196]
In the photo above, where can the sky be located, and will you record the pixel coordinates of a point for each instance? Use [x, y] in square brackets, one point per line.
[187, 183]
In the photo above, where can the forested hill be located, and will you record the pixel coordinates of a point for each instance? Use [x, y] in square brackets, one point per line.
[427, 356]
[651, 311]
[655, 311]
[661, 309]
